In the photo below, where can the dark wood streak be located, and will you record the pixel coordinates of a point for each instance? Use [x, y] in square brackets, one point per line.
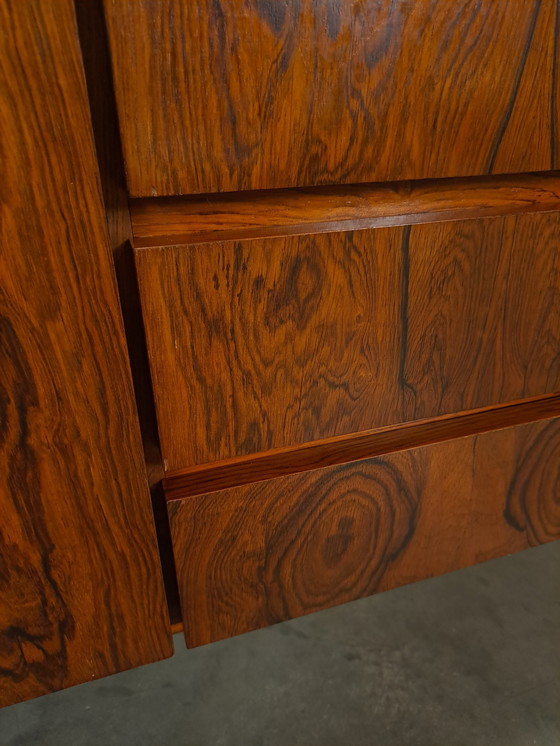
[81, 593]
[281, 212]
[533, 498]
[269, 343]
[407, 390]
[218, 98]
[37, 650]
[342, 449]
[515, 92]
[258, 554]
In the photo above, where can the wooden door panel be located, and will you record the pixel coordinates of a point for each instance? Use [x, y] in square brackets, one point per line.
[265, 343]
[81, 592]
[215, 95]
[261, 553]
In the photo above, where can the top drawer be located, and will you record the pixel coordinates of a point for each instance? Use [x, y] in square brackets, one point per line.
[220, 95]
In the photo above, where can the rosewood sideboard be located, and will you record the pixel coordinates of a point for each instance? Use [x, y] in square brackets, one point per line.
[279, 312]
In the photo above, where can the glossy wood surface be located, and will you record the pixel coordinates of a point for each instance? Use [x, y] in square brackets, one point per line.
[97, 68]
[215, 95]
[171, 221]
[278, 462]
[81, 592]
[255, 555]
[262, 344]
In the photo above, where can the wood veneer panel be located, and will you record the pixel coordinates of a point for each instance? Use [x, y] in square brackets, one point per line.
[255, 555]
[197, 480]
[262, 344]
[81, 592]
[97, 68]
[170, 221]
[221, 96]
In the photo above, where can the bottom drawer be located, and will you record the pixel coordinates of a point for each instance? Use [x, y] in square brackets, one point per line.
[260, 553]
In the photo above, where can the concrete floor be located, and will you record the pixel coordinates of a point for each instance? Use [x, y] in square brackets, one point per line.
[471, 658]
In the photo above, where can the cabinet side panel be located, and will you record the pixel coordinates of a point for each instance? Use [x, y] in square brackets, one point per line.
[81, 593]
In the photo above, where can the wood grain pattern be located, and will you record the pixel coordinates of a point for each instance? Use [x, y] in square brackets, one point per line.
[255, 555]
[278, 462]
[171, 221]
[220, 96]
[262, 344]
[81, 593]
[97, 68]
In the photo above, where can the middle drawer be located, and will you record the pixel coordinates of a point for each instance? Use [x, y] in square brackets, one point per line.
[262, 343]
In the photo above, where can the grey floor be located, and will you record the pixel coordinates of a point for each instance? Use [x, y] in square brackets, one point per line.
[471, 658]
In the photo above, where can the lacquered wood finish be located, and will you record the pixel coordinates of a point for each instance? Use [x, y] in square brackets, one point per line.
[221, 96]
[196, 480]
[97, 68]
[255, 555]
[170, 221]
[81, 592]
[262, 344]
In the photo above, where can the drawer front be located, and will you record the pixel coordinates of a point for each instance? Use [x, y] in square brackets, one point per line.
[214, 95]
[265, 343]
[260, 553]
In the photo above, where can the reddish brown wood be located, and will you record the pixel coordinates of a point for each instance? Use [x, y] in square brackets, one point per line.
[95, 55]
[81, 592]
[255, 555]
[221, 96]
[279, 462]
[172, 221]
[262, 344]
[97, 67]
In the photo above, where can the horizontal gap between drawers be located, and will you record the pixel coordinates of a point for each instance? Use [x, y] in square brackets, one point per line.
[172, 221]
[202, 479]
